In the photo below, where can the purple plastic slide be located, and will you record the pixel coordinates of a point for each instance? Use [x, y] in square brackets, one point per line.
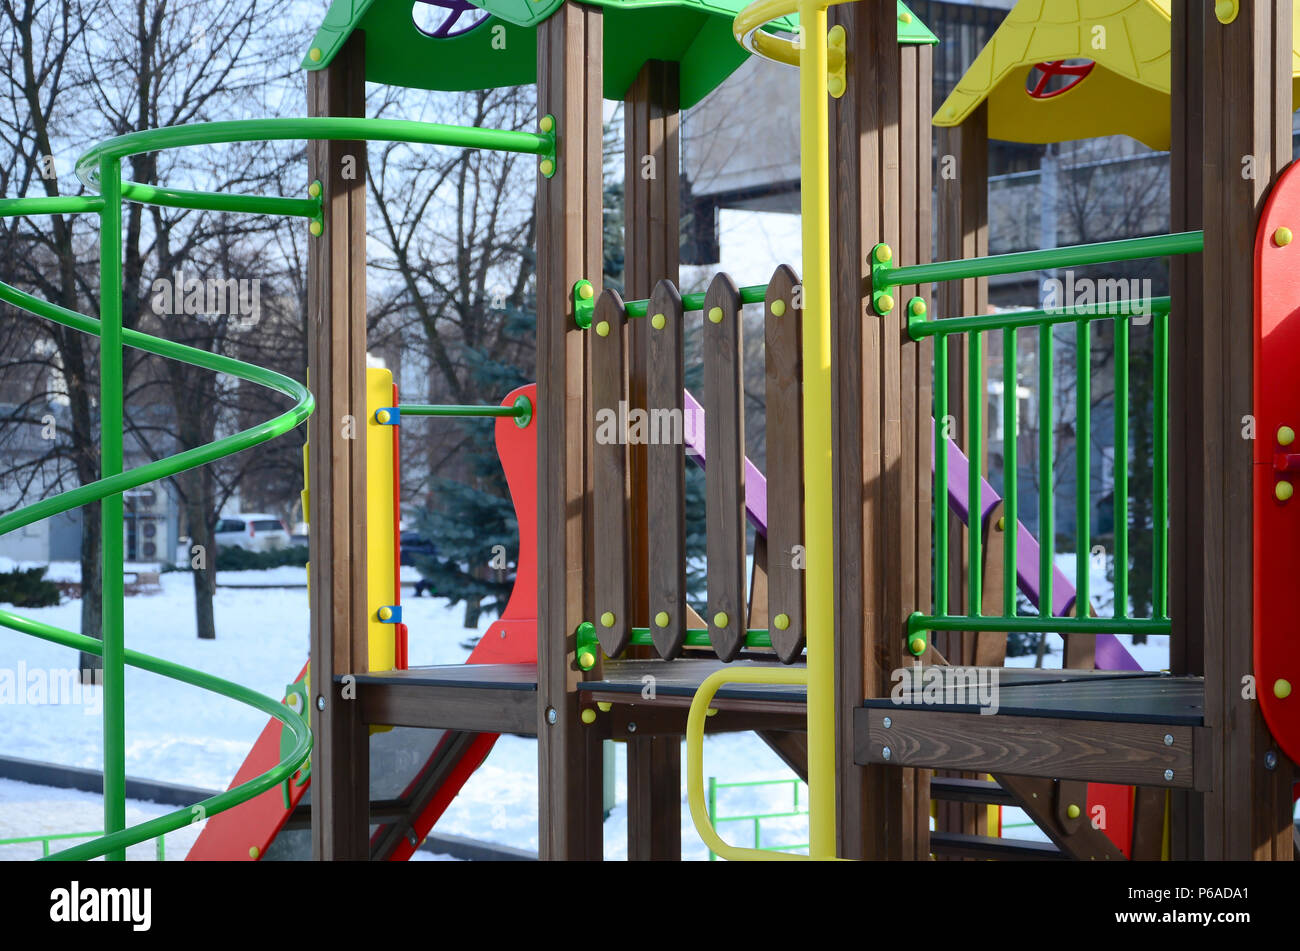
[1110, 653]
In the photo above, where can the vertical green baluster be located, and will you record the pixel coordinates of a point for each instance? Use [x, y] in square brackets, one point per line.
[1121, 466]
[941, 515]
[1046, 515]
[1010, 470]
[1082, 452]
[713, 810]
[974, 451]
[1160, 475]
[110, 436]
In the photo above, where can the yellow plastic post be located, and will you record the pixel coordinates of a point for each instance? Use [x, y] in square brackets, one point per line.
[381, 554]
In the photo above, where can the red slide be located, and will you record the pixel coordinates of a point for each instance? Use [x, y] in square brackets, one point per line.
[245, 832]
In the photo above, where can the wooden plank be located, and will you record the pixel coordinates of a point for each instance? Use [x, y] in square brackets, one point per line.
[654, 809]
[611, 497]
[570, 758]
[1038, 797]
[783, 347]
[336, 433]
[791, 746]
[1148, 824]
[666, 473]
[991, 647]
[724, 421]
[475, 709]
[1096, 750]
[757, 609]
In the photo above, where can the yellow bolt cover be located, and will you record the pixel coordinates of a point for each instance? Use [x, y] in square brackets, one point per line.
[835, 86]
[1283, 490]
[1072, 811]
[916, 644]
[607, 619]
[605, 706]
[918, 307]
[314, 189]
[547, 124]
[710, 712]
[383, 416]
[586, 291]
[905, 17]
[1281, 689]
[588, 716]
[715, 315]
[602, 328]
[315, 54]
[385, 614]
[661, 619]
[1225, 10]
[316, 228]
[1282, 237]
[658, 321]
[1002, 523]
[547, 166]
[778, 308]
[720, 619]
[1285, 435]
[886, 303]
[586, 660]
[254, 851]
[782, 622]
[884, 254]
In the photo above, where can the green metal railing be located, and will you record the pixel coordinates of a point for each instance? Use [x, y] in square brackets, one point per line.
[584, 303]
[588, 644]
[756, 819]
[1006, 617]
[159, 848]
[100, 169]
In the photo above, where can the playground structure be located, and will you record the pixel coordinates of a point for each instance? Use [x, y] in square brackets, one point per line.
[866, 365]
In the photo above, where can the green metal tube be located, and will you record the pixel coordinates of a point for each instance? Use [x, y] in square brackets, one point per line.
[920, 327]
[417, 409]
[699, 637]
[1126, 249]
[320, 127]
[584, 309]
[210, 201]
[1010, 470]
[1030, 625]
[1160, 472]
[112, 582]
[1082, 463]
[974, 453]
[1121, 466]
[941, 513]
[1046, 486]
[57, 205]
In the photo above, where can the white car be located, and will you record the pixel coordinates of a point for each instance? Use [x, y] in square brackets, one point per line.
[251, 531]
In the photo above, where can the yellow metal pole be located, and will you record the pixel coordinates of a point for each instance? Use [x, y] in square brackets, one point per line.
[814, 150]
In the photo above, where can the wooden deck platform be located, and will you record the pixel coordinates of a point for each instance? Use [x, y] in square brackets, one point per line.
[1136, 728]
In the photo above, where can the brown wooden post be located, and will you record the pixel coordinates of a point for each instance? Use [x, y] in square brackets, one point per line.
[1244, 71]
[336, 306]
[651, 223]
[570, 763]
[881, 189]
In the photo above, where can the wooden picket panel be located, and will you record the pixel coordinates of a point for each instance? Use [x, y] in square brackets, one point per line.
[666, 471]
[611, 494]
[724, 435]
[785, 526]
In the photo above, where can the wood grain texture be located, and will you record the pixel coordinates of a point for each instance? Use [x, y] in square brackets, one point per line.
[1040, 798]
[475, 709]
[611, 498]
[666, 474]
[1096, 750]
[783, 347]
[570, 759]
[654, 808]
[724, 421]
[336, 307]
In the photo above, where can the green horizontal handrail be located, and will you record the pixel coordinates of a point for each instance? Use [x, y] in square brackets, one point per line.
[920, 326]
[699, 637]
[49, 837]
[1102, 252]
[584, 308]
[100, 169]
[1032, 624]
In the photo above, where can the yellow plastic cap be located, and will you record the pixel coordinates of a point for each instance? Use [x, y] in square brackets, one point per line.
[315, 54]
[886, 303]
[884, 254]
[602, 328]
[605, 706]
[385, 613]
[589, 716]
[547, 124]
[586, 291]
[715, 315]
[547, 166]
[607, 619]
[586, 660]
[316, 228]
[1285, 435]
[1072, 811]
[314, 189]
[662, 619]
[1282, 237]
[918, 307]
[383, 416]
[254, 852]
[1225, 10]
[916, 644]
[1281, 689]
[658, 321]
[1283, 490]
[720, 619]
[778, 308]
[782, 622]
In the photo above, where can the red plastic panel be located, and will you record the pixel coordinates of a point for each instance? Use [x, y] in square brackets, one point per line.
[1277, 405]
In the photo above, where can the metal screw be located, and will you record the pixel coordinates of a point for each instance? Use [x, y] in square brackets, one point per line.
[886, 752]
[1169, 739]
[887, 722]
[410, 837]
[320, 702]
[1270, 760]
[551, 716]
[1169, 775]
[631, 727]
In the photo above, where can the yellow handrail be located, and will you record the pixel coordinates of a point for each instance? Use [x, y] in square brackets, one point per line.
[811, 56]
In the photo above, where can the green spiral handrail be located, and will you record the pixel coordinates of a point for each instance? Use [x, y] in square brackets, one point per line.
[100, 169]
